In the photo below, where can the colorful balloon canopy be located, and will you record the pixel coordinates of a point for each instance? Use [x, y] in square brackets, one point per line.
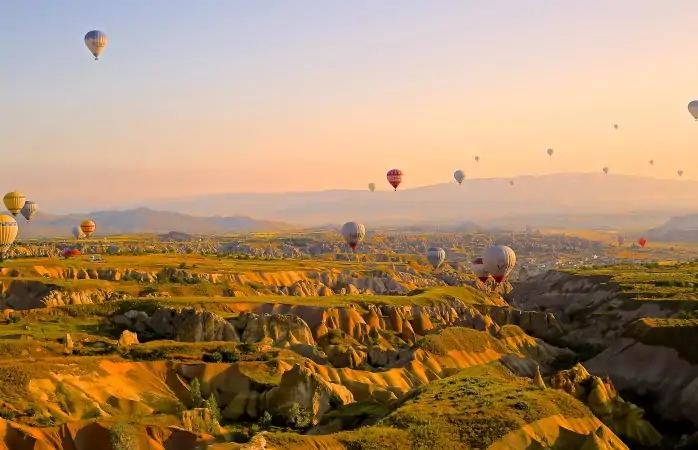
[8, 233]
[96, 41]
[88, 227]
[14, 202]
[394, 177]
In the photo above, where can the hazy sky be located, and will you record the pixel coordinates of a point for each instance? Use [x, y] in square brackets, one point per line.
[193, 97]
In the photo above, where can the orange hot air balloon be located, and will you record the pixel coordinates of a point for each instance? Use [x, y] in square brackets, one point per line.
[642, 241]
[87, 227]
[394, 178]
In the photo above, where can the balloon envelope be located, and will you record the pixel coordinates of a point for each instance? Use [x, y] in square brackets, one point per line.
[651, 162]
[371, 187]
[477, 159]
[693, 109]
[14, 202]
[459, 175]
[8, 232]
[394, 177]
[642, 241]
[605, 170]
[77, 232]
[353, 233]
[28, 210]
[680, 172]
[436, 256]
[499, 261]
[96, 41]
[88, 227]
[550, 152]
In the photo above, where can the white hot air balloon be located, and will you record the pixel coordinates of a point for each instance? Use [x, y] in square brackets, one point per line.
[550, 152]
[478, 267]
[693, 109]
[499, 261]
[353, 233]
[371, 187]
[459, 175]
[436, 256]
[77, 232]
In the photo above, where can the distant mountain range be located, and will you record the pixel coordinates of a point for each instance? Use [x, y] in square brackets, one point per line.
[143, 220]
[557, 200]
[554, 201]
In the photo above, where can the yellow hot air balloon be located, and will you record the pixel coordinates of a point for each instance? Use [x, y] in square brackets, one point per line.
[87, 227]
[8, 233]
[14, 202]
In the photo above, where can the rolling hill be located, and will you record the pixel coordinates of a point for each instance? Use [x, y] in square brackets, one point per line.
[557, 200]
[143, 220]
[676, 229]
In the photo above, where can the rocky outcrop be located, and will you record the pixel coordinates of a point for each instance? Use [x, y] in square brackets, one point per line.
[625, 419]
[128, 338]
[586, 307]
[310, 391]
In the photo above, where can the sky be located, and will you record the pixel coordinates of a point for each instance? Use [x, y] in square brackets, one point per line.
[191, 98]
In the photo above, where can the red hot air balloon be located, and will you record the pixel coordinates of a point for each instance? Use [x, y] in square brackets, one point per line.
[394, 178]
[642, 241]
[67, 253]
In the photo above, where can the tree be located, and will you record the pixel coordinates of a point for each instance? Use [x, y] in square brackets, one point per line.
[195, 393]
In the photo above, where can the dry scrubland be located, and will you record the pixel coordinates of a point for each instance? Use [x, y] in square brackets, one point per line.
[331, 351]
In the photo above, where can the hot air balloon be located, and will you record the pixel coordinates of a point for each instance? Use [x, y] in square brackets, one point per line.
[8, 233]
[436, 256]
[14, 202]
[28, 210]
[459, 175]
[394, 178]
[605, 170]
[353, 233]
[680, 172]
[499, 260]
[550, 152]
[87, 227]
[96, 41]
[477, 159]
[642, 241]
[371, 187]
[68, 252]
[478, 267]
[693, 109]
[77, 232]
[651, 162]
[615, 125]
[621, 241]
[511, 182]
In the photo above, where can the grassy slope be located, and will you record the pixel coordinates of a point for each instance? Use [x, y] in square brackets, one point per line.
[676, 285]
[470, 410]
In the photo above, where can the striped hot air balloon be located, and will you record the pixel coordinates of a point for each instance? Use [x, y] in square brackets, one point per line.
[394, 177]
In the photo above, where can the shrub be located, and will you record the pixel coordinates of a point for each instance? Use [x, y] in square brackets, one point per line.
[214, 357]
[123, 437]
